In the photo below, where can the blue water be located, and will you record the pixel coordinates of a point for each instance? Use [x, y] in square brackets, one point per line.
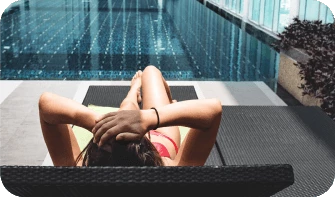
[111, 39]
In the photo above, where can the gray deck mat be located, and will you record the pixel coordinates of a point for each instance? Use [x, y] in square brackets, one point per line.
[298, 135]
[113, 95]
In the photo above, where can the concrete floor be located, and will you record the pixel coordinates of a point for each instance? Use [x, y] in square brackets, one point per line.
[20, 133]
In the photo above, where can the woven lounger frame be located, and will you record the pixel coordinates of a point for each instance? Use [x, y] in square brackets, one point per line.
[253, 180]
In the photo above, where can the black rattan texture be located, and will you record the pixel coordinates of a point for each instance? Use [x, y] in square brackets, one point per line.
[113, 95]
[298, 135]
[255, 180]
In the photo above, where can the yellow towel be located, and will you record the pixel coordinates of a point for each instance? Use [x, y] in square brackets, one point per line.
[83, 136]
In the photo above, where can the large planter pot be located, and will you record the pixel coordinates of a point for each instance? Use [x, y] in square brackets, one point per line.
[289, 77]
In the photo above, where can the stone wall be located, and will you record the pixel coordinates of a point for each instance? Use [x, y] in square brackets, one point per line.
[290, 79]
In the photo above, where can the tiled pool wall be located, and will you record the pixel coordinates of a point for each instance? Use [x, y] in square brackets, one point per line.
[221, 47]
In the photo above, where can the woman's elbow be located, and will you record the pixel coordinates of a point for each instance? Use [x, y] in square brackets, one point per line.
[215, 112]
[44, 100]
[217, 107]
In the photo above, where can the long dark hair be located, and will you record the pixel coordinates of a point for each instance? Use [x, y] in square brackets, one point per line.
[121, 153]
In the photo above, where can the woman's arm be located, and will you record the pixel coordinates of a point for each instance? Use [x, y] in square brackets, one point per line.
[57, 113]
[202, 115]
[197, 114]
[55, 109]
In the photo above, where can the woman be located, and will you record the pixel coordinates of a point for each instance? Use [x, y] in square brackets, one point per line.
[132, 136]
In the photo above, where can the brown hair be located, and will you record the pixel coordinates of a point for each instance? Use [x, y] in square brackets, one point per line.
[121, 153]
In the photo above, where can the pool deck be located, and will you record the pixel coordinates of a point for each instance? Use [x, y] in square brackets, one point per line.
[20, 133]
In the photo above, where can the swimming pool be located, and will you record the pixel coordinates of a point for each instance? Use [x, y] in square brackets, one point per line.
[110, 40]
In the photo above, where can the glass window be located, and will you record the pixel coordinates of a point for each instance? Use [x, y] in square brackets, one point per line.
[241, 6]
[284, 14]
[323, 12]
[312, 10]
[268, 13]
[227, 4]
[233, 5]
[302, 9]
[330, 16]
[255, 10]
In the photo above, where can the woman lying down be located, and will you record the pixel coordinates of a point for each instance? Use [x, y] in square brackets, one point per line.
[132, 136]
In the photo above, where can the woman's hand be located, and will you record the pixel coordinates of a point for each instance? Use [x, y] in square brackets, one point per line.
[124, 125]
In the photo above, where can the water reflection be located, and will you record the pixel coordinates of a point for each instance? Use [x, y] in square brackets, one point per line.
[107, 40]
[221, 50]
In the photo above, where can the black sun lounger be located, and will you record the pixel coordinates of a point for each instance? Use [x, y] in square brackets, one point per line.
[302, 136]
[215, 177]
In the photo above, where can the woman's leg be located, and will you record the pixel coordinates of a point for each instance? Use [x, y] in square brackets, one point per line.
[133, 97]
[156, 93]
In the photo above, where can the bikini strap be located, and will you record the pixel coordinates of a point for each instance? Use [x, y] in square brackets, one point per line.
[167, 137]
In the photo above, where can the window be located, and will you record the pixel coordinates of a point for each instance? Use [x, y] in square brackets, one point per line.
[323, 12]
[233, 5]
[284, 14]
[255, 10]
[329, 16]
[241, 6]
[275, 15]
[268, 13]
[312, 10]
[302, 9]
[227, 4]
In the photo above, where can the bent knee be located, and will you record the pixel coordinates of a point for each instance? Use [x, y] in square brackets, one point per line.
[151, 69]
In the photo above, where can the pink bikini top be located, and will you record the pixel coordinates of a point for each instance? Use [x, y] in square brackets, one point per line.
[162, 150]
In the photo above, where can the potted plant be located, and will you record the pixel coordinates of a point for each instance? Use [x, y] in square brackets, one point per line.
[318, 72]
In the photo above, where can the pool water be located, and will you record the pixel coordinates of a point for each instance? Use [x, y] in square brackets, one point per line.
[112, 39]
